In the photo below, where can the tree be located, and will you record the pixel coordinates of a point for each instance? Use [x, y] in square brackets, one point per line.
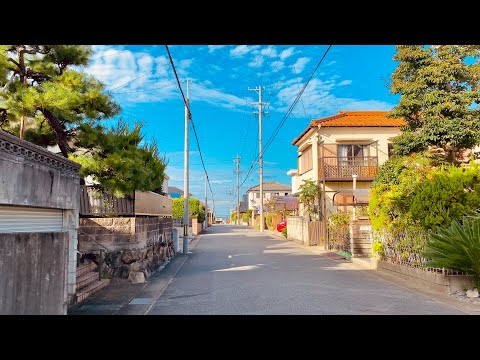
[309, 196]
[117, 161]
[196, 211]
[439, 88]
[41, 83]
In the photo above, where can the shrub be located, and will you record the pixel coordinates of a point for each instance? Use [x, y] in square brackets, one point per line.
[456, 247]
[284, 231]
[377, 248]
[392, 193]
[269, 220]
[451, 193]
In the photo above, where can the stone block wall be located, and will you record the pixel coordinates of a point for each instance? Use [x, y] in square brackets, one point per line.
[136, 246]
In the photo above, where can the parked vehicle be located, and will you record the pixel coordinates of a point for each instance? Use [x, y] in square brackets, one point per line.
[281, 225]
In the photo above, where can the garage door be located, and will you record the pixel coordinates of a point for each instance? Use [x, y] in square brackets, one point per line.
[15, 219]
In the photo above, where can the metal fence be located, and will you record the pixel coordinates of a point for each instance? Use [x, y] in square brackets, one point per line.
[406, 247]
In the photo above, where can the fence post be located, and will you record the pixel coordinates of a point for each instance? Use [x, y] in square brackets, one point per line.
[100, 262]
[176, 240]
[351, 236]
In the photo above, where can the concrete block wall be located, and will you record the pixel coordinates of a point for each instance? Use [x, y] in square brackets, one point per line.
[297, 229]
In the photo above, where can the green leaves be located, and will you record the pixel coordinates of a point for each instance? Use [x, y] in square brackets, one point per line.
[67, 97]
[196, 210]
[456, 247]
[309, 195]
[439, 91]
[118, 161]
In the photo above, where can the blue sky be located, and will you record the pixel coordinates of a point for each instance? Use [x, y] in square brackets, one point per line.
[350, 78]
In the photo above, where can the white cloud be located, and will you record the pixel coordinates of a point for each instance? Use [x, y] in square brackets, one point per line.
[212, 48]
[320, 101]
[116, 66]
[344, 82]
[184, 64]
[241, 50]
[215, 67]
[331, 63]
[256, 62]
[299, 65]
[287, 53]
[217, 97]
[277, 66]
[269, 51]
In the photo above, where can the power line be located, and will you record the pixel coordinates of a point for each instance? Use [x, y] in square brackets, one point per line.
[146, 90]
[287, 114]
[193, 124]
[130, 81]
[290, 109]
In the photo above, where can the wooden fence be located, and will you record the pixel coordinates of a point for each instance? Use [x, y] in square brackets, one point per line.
[94, 202]
[316, 234]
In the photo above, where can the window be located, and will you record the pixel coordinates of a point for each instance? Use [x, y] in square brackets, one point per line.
[257, 195]
[305, 162]
[352, 155]
[390, 150]
[286, 194]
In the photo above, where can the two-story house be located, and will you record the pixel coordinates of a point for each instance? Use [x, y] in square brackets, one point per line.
[271, 190]
[335, 149]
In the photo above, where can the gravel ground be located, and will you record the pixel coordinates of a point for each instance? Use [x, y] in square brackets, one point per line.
[462, 295]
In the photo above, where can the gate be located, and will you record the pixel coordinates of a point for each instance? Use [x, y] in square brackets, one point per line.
[316, 234]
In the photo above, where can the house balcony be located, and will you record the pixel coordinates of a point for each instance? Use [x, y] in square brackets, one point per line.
[342, 168]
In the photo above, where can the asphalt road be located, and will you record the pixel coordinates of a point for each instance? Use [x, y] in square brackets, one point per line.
[237, 270]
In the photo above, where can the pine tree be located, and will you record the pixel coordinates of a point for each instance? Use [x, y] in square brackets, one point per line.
[439, 88]
[119, 161]
[43, 83]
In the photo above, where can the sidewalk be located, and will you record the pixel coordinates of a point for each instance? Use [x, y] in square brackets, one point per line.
[122, 297]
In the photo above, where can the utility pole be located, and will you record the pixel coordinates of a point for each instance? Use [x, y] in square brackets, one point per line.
[260, 157]
[185, 177]
[237, 171]
[206, 199]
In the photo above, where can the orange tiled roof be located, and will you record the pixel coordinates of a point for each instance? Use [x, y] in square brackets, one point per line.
[359, 118]
[354, 119]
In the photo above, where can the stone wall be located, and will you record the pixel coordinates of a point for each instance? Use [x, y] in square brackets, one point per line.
[134, 247]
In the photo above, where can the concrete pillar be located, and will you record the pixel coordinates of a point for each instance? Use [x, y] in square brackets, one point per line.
[315, 168]
[71, 224]
[176, 239]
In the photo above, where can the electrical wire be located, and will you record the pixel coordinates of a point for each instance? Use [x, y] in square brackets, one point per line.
[193, 124]
[287, 114]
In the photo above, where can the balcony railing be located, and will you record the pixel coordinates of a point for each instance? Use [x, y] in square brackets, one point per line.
[342, 168]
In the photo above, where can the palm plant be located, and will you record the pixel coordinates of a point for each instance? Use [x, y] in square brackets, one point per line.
[456, 247]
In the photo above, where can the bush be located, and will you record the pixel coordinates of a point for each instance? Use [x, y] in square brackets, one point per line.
[394, 187]
[456, 247]
[195, 209]
[284, 231]
[451, 193]
[377, 248]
